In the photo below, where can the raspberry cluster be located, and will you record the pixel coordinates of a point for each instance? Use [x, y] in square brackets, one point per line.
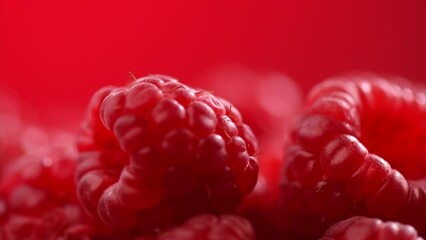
[38, 199]
[159, 160]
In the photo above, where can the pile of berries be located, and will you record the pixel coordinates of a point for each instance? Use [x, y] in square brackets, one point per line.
[159, 160]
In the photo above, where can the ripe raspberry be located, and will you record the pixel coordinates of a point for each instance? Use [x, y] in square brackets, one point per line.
[210, 227]
[358, 150]
[157, 152]
[363, 228]
[38, 198]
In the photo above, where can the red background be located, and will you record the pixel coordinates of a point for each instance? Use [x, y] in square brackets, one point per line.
[56, 53]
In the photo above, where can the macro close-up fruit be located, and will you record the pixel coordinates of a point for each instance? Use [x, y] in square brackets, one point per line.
[212, 120]
[38, 198]
[358, 149]
[157, 152]
[159, 160]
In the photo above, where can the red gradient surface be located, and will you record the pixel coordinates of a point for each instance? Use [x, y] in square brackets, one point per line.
[55, 54]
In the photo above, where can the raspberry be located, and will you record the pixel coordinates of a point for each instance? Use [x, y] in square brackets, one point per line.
[357, 150]
[157, 152]
[363, 228]
[39, 200]
[210, 227]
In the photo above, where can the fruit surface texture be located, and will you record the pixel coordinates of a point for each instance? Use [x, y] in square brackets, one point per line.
[358, 149]
[364, 228]
[157, 152]
[38, 198]
[210, 227]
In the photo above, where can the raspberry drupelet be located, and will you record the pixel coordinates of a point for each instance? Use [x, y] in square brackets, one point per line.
[357, 150]
[157, 152]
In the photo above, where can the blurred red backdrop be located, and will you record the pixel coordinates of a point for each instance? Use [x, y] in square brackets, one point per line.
[55, 54]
